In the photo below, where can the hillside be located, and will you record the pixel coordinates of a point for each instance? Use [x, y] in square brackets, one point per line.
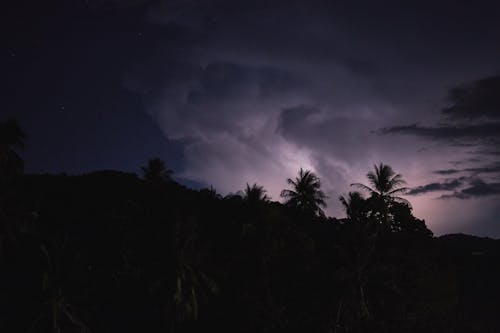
[110, 252]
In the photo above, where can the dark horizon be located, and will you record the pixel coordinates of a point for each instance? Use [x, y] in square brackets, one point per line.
[113, 252]
[233, 93]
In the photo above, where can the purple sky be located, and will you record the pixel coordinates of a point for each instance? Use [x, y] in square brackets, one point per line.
[230, 92]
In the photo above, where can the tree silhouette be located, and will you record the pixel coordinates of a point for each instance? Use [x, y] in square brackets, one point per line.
[156, 172]
[357, 252]
[404, 221]
[356, 207]
[306, 194]
[255, 193]
[386, 184]
[210, 192]
[11, 140]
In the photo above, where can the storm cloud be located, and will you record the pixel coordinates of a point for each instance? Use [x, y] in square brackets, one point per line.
[230, 92]
[255, 96]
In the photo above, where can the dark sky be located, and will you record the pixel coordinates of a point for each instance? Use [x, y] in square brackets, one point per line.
[230, 92]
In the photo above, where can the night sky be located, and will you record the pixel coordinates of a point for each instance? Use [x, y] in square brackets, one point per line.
[229, 92]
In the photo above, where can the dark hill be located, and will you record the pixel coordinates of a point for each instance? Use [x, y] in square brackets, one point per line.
[110, 252]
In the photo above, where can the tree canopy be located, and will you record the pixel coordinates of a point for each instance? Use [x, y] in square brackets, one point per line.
[305, 194]
[156, 172]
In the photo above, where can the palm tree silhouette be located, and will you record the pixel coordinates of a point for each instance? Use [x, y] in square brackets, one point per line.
[255, 193]
[385, 185]
[305, 194]
[355, 206]
[156, 172]
[11, 140]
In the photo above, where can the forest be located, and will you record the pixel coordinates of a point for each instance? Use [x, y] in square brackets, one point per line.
[111, 251]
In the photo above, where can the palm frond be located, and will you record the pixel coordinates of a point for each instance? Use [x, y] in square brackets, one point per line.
[292, 182]
[288, 194]
[398, 190]
[363, 187]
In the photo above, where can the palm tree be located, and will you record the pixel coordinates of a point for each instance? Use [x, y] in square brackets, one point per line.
[305, 194]
[11, 141]
[385, 185]
[156, 171]
[355, 206]
[255, 193]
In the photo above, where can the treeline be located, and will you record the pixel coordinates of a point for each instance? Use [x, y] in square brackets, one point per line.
[115, 252]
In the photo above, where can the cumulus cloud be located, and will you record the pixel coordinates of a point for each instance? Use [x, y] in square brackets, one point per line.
[228, 112]
[251, 111]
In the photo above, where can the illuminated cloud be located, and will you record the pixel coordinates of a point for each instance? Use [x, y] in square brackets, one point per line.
[258, 96]
[230, 92]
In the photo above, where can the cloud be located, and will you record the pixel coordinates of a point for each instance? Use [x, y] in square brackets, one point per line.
[491, 168]
[480, 188]
[448, 185]
[472, 121]
[191, 100]
[226, 112]
[479, 99]
[468, 135]
[258, 89]
[495, 168]
[477, 189]
[466, 187]
[447, 171]
[254, 97]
